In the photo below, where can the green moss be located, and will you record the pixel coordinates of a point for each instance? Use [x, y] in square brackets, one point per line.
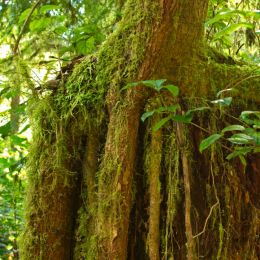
[116, 63]
[172, 158]
[48, 168]
[61, 120]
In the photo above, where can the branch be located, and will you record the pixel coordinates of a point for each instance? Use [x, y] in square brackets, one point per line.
[24, 27]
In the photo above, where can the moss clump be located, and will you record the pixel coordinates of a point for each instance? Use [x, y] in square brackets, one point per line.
[118, 61]
[52, 175]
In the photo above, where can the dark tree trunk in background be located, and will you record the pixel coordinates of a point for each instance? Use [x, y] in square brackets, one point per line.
[104, 186]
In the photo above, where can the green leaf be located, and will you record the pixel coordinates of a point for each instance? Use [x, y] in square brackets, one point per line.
[209, 141]
[242, 159]
[255, 14]
[24, 129]
[19, 141]
[239, 151]
[256, 136]
[191, 111]
[171, 109]
[233, 128]
[47, 8]
[6, 129]
[85, 46]
[60, 29]
[251, 117]
[256, 125]
[224, 15]
[230, 29]
[223, 101]
[130, 85]
[186, 118]
[240, 139]
[173, 89]
[257, 150]
[155, 84]
[147, 114]
[24, 15]
[40, 24]
[161, 123]
[4, 163]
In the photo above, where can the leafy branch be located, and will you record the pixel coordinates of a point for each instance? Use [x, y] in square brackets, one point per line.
[245, 136]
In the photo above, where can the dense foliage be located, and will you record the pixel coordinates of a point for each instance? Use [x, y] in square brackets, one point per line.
[39, 38]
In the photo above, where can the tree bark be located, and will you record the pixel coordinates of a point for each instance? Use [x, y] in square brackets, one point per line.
[155, 39]
[165, 34]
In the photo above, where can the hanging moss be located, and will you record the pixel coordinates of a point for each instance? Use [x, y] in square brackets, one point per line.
[47, 168]
[62, 122]
[88, 87]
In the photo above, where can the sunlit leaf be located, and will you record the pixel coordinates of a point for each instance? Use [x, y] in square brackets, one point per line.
[240, 139]
[47, 8]
[233, 128]
[223, 101]
[224, 15]
[24, 129]
[40, 24]
[231, 28]
[19, 141]
[24, 15]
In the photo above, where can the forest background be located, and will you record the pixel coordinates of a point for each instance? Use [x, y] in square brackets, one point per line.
[40, 39]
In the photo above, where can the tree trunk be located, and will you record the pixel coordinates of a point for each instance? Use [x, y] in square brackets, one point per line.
[89, 181]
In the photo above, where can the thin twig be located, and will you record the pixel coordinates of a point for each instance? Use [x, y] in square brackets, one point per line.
[24, 27]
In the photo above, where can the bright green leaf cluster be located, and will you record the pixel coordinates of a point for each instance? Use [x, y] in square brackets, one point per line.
[245, 140]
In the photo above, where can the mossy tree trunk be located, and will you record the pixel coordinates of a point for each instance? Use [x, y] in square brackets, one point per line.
[104, 186]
